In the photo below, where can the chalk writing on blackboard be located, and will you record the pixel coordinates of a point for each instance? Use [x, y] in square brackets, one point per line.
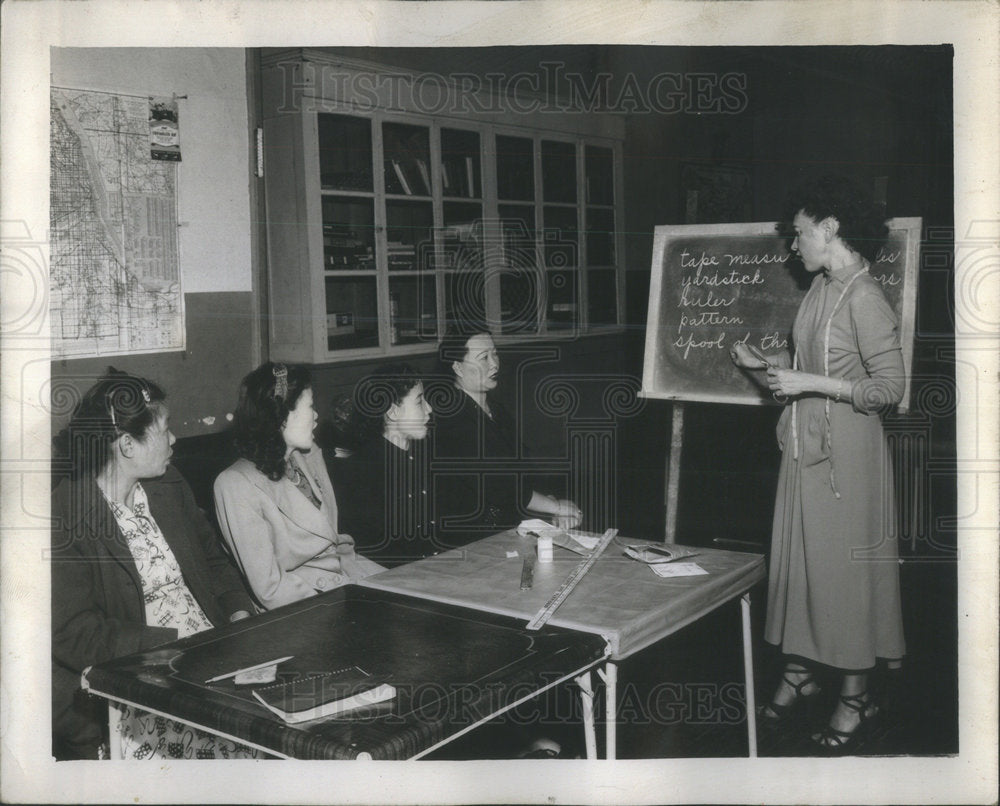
[713, 285]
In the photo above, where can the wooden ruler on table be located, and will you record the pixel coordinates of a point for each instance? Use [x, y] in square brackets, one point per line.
[557, 598]
[528, 572]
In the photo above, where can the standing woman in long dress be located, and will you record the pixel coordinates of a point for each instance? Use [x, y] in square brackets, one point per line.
[833, 593]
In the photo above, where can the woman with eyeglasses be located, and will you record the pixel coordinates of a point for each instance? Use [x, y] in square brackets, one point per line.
[135, 564]
[275, 504]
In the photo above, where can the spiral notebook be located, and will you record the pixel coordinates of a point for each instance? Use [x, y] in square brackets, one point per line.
[323, 695]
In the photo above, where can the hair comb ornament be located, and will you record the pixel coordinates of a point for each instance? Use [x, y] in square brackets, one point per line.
[145, 395]
[280, 372]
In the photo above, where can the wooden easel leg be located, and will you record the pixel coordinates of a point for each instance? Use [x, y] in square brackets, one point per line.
[673, 472]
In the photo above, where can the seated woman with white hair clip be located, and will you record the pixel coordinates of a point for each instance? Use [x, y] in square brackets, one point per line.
[135, 564]
[275, 505]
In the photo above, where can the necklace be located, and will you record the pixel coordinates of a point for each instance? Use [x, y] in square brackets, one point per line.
[297, 477]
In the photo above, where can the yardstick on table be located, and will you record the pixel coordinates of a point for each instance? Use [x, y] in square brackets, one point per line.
[557, 598]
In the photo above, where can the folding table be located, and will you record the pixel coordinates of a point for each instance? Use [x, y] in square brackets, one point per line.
[453, 668]
[619, 599]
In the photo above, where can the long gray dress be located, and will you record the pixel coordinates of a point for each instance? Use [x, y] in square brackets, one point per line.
[833, 594]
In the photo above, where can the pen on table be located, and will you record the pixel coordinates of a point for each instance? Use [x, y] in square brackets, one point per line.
[528, 572]
[264, 665]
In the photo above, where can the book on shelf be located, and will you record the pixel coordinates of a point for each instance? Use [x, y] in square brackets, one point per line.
[470, 176]
[346, 180]
[349, 262]
[339, 324]
[337, 235]
[344, 246]
[323, 695]
[428, 325]
[401, 176]
[422, 167]
[465, 231]
[400, 248]
[400, 255]
[393, 315]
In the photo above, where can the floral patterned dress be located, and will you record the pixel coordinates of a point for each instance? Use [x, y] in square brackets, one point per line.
[168, 603]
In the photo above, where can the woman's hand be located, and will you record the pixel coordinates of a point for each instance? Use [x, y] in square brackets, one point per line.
[791, 382]
[565, 514]
[568, 514]
[788, 382]
[742, 357]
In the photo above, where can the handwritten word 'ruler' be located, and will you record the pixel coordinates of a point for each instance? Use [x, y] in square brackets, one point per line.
[557, 598]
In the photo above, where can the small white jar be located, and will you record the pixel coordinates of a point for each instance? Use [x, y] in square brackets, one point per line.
[544, 547]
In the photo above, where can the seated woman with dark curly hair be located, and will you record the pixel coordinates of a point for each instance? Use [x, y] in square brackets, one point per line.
[383, 486]
[135, 563]
[275, 504]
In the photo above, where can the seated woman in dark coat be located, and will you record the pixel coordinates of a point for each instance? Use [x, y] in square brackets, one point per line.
[135, 563]
[383, 486]
[480, 484]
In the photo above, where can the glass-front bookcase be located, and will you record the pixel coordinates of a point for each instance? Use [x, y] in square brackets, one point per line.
[384, 226]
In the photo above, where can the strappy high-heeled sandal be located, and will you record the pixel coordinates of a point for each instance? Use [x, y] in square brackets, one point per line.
[775, 713]
[839, 742]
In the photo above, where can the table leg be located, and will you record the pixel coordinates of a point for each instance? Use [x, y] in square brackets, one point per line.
[748, 675]
[587, 700]
[610, 677]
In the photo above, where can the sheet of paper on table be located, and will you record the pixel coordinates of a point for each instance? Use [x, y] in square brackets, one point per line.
[586, 541]
[265, 674]
[677, 569]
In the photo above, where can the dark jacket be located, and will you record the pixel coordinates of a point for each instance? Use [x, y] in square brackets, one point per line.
[479, 473]
[97, 604]
[385, 504]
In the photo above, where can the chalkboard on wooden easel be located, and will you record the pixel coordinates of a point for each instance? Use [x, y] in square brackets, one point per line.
[715, 284]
